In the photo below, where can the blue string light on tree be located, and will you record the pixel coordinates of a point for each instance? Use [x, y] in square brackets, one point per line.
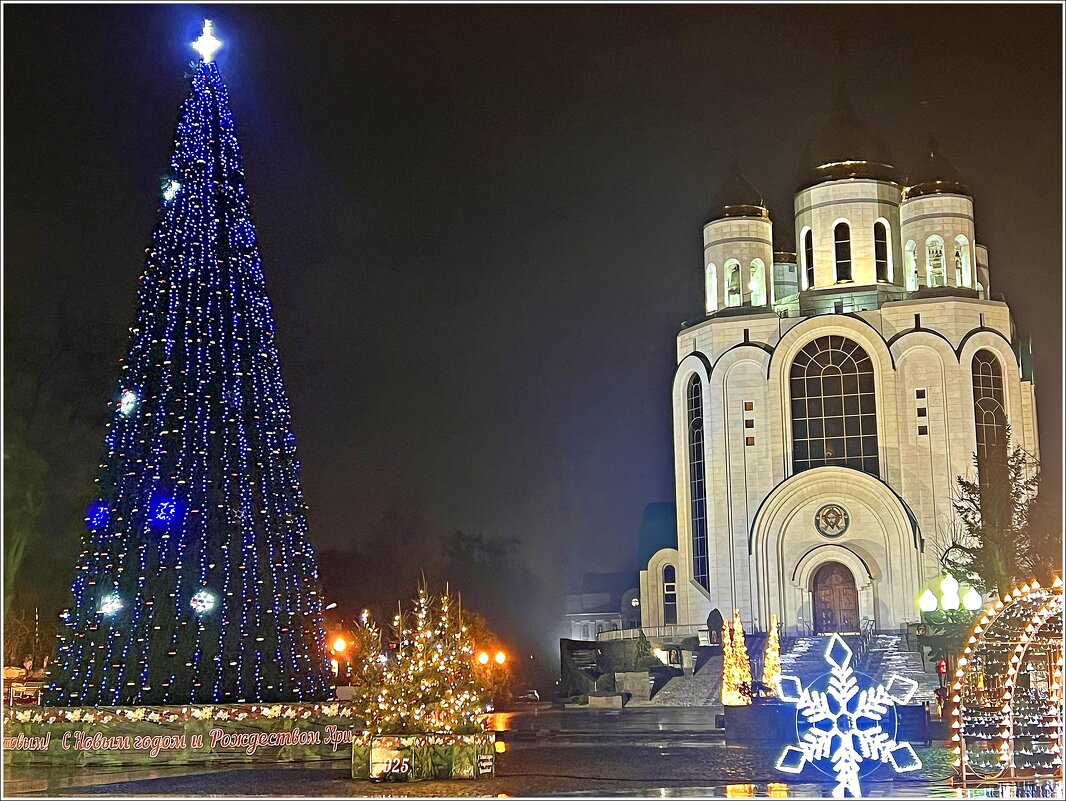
[203, 537]
[96, 516]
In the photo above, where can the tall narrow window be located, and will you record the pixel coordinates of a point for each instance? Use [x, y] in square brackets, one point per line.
[988, 411]
[808, 258]
[712, 288]
[934, 262]
[757, 283]
[990, 421]
[881, 251]
[912, 267]
[834, 411]
[732, 289]
[697, 483]
[842, 249]
[963, 271]
[669, 595]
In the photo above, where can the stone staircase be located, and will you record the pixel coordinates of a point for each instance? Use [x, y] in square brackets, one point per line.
[703, 688]
[804, 657]
[886, 655]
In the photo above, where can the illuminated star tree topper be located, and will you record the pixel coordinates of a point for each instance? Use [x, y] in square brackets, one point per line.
[207, 45]
[847, 726]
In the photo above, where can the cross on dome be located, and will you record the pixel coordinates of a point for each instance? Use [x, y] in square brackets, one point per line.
[207, 44]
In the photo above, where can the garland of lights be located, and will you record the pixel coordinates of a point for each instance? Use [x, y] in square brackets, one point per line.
[197, 582]
[1000, 728]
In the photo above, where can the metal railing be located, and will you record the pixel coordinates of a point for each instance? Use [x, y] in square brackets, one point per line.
[866, 636]
[687, 630]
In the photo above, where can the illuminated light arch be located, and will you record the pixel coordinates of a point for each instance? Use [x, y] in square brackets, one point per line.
[1002, 726]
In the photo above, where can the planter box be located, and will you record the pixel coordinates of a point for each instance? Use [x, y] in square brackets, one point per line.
[415, 757]
[605, 702]
[768, 721]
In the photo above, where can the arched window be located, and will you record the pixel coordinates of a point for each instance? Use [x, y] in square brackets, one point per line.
[963, 273]
[757, 283]
[834, 411]
[712, 288]
[990, 419]
[808, 258]
[669, 595]
[934, 262]
[697, 484]
[881, 251]
[842, 249]
[912, 266]
[732, 286]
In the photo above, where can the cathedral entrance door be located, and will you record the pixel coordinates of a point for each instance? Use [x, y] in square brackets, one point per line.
[836, 601]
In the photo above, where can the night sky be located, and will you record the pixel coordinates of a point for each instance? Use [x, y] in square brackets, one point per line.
[481, 226]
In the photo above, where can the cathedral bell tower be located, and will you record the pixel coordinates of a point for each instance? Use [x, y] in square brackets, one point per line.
[738, 251]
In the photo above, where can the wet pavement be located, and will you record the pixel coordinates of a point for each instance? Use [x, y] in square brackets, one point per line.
[645, 752]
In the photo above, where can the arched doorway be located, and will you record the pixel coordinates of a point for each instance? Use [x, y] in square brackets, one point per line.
[836, 601]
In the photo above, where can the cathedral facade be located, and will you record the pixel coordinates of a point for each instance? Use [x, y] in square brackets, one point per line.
[827, 400]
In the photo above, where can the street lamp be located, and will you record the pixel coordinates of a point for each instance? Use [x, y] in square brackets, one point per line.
[483, 657]
[501, 657]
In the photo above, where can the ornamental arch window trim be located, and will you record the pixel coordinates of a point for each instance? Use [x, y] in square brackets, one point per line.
[669, 595]
[712, 288]
[962, 264]
[697, 480]
[757, 282]
[733, 289]
[842, 251]
[935, 274]
[882, 251]
[833, 406]
[808, 258]
[990, 416]
[910, 261]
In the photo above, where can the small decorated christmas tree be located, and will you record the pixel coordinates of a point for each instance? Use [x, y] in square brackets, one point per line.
[736, 669]
[771, 664]
[431, 684]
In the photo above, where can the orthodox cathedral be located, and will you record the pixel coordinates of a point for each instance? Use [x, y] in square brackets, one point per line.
[827, 400]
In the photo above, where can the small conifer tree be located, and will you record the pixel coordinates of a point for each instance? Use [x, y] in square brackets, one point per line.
[771, 665]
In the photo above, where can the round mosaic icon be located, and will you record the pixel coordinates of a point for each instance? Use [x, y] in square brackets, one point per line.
[832, 520]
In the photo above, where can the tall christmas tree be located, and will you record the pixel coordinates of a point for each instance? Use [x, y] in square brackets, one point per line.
[196, 581]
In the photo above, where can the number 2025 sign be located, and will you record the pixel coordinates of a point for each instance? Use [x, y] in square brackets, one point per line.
[413, 757]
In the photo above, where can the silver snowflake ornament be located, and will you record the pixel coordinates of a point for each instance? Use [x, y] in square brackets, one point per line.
[844, 726]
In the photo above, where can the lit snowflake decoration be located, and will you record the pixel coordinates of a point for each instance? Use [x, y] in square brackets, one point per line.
[844, 725]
